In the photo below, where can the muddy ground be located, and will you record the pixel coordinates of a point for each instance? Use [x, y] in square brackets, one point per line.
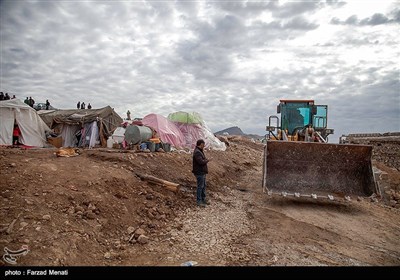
[94, 210]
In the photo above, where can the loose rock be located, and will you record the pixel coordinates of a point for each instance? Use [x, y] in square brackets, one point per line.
[143, 239]
[46, 217]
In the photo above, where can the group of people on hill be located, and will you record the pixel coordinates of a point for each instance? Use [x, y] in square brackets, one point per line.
[29, 101]
[82, 105]
[6, 96]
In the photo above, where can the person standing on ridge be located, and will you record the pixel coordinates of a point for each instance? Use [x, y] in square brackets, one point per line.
[200, 170]
[31, 102]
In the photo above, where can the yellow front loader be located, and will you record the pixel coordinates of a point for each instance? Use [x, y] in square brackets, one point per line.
[299, 162]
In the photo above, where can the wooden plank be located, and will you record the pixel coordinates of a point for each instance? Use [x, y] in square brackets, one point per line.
[161, 182]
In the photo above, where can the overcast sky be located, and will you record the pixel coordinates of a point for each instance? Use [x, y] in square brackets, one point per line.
[231, 61]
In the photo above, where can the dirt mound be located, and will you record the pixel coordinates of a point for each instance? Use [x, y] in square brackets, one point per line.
[94, 203]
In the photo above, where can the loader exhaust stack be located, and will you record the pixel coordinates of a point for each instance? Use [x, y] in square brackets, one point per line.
[309, 168]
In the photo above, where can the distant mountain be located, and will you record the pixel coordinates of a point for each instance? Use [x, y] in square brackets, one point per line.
[234, 130]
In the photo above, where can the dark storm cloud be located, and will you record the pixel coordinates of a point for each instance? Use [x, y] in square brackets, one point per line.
[291, 9]
[221, 29]
[335, 3]
[300, 23]
[396, 15]
[277, 10]
[376, 19]
[247, 8]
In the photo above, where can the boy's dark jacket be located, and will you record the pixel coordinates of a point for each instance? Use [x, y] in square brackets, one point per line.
[199, 162]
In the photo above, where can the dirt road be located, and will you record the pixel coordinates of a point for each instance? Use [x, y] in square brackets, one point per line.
[245, 227]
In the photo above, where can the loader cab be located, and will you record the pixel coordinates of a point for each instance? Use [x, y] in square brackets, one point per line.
[298, 114]
[295, 114]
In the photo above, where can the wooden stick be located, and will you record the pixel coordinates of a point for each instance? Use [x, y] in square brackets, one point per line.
[168, 187]
[166, 184]
[11, 226]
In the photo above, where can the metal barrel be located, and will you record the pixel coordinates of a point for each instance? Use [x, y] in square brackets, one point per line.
[318, 168]
[135, 134]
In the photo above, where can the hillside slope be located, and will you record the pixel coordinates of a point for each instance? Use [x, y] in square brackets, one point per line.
[93, 210]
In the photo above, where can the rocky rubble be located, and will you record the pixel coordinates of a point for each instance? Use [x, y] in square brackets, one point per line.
[387, 153]
[386, 149]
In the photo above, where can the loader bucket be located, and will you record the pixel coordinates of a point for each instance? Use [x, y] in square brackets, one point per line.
[318, 168]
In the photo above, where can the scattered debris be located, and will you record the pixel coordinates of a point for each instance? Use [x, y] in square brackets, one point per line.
[131, 230]
[67, 152]
[189, 263]
[11, 226]
[154, 180]
[143, 239]
[46, 217]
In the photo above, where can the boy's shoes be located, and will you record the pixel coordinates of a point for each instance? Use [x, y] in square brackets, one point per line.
[201, 204]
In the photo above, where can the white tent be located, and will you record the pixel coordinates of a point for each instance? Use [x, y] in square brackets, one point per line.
[33, 129]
